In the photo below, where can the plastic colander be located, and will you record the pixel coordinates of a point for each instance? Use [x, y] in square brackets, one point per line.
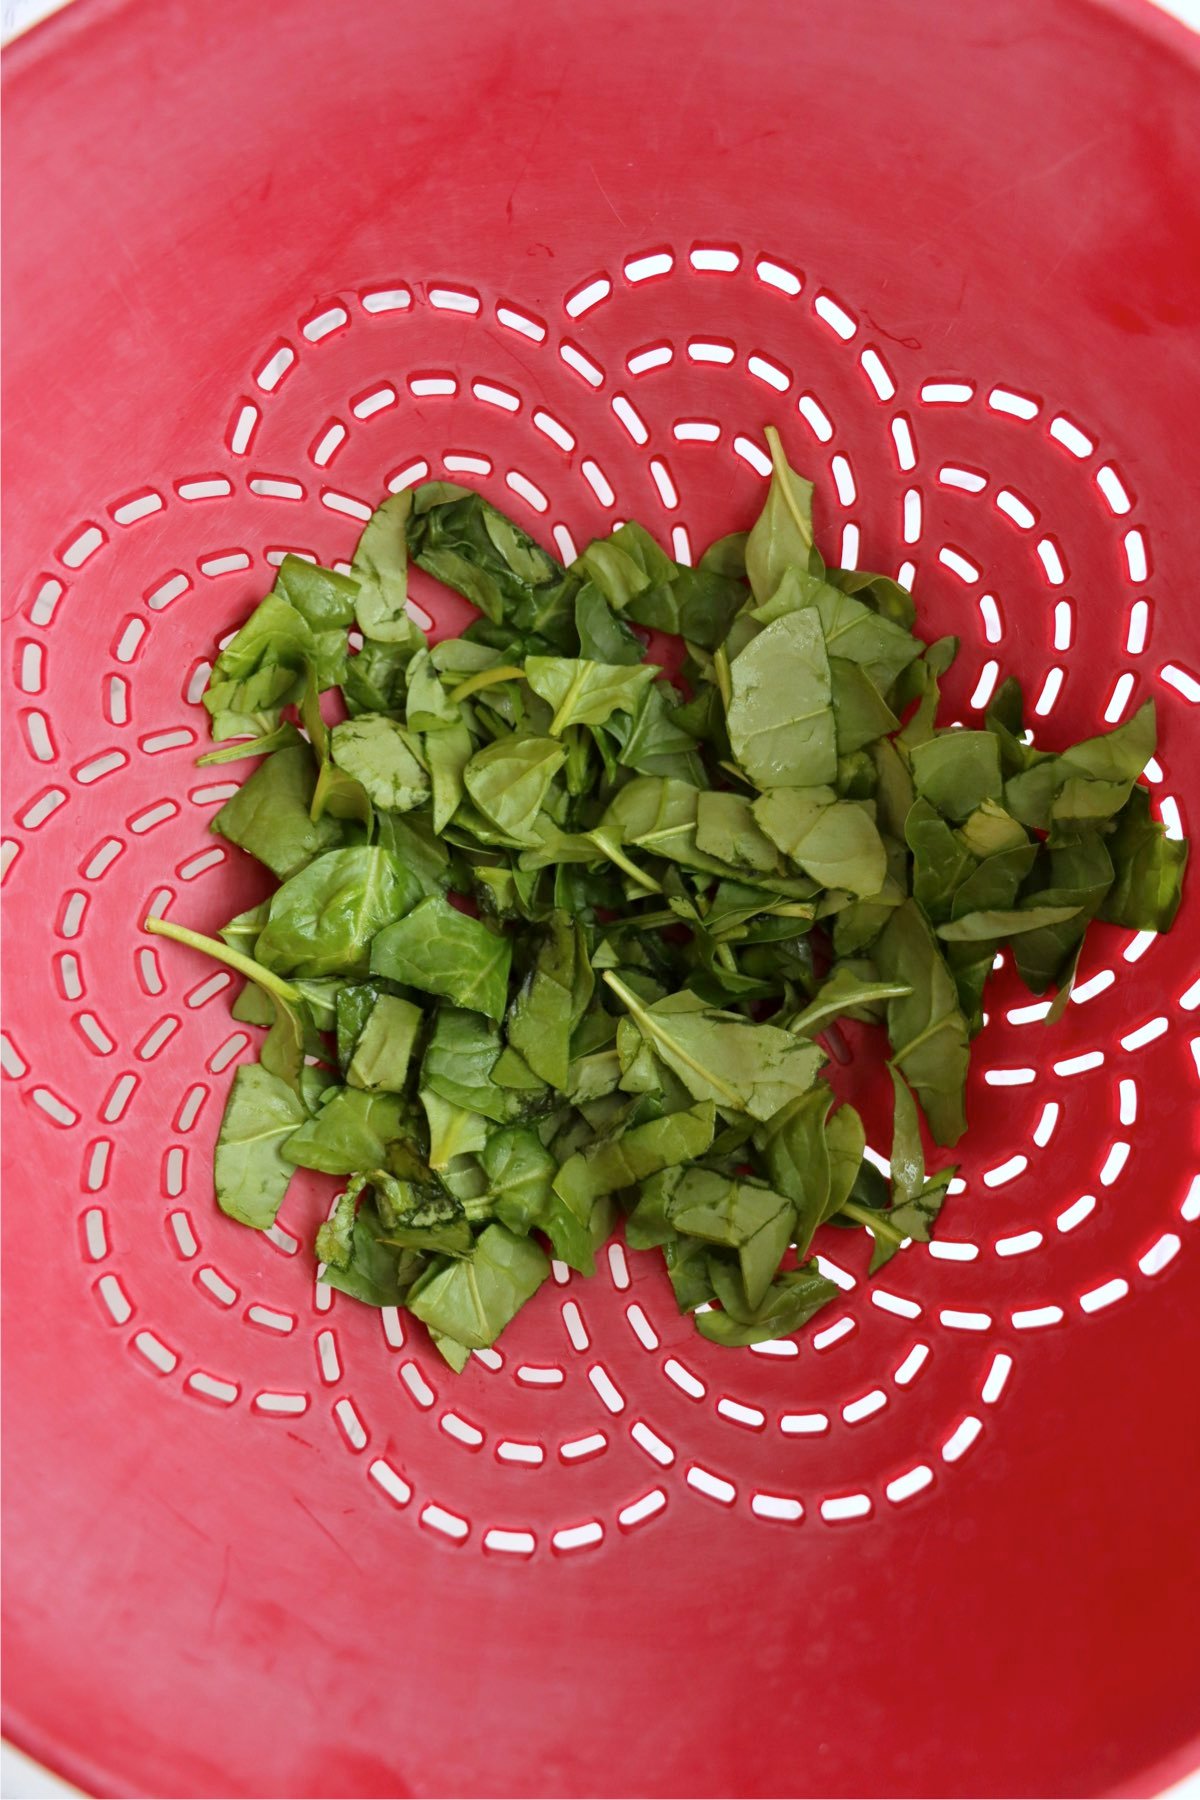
[266, 262]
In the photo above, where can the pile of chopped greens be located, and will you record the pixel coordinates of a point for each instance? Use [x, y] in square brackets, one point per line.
[556, 941]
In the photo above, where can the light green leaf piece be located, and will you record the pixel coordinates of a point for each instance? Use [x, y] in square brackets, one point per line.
[350, 1131]
[782, 535]
[472, 1301]
[1088, 783]
[927, 1029]
[453, 1131]
[859, 709]
[583, 692]
[720, 1056]
[322, 920]
[854, 633]
[442, 951]
[380, 755]
[270, 814]
[460, 1062]
[740, 1214]
[976, 927]
[447, 753]
[834, 841]
[844, 990]
[957, 771]
[520, 1173]
[551, 1000]
[1119, 755]
[639, 1152]
[249, 1171]
[508, 781]
[385, 1045]
[428, 706]
[626, 563]
[728, 831]
[381, 567]
[790, 1302]
[990, 831]
[780, 712]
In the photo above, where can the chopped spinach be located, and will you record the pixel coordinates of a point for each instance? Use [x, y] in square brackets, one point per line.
[554, 938]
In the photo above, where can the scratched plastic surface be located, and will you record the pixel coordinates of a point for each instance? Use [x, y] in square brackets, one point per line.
[265, 263]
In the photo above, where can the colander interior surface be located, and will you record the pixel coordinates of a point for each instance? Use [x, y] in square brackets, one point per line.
[264, 264]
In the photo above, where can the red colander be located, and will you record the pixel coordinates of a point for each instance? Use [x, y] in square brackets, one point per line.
[267, 261]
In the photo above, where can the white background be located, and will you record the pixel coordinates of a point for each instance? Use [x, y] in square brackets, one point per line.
[21, 1779]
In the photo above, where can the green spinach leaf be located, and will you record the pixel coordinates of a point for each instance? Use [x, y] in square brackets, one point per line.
[443, 951]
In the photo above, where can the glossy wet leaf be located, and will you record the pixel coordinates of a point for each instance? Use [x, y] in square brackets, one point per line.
[323, 920]
[350, 1131]
[270, 814]
[442, 951]
[508, 780]
[250, 1172]
[472, 1301]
